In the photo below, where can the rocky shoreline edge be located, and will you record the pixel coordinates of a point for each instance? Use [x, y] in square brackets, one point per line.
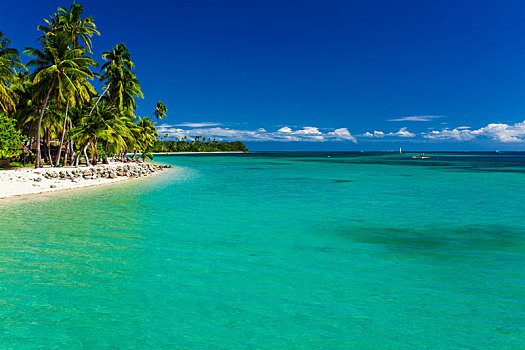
[105, 171]
[22, 182]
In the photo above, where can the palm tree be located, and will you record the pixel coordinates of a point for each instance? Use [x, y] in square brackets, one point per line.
[148, 135]
[75, 28]
[57, 67]
[84, 91]
[119, 57]
[104, 124]
[71, 23]
[26, 113]
[120, 82]
[9, 61]
[160, 110]
[128, 91]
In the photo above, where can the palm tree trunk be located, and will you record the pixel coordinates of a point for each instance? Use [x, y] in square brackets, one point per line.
[48, 139]
[76, 159]
[105, 160]
[63, 133]
[84, 151]
[95, 152]
[112, 104]
[72, 147]
[30, 153]
[23, 159]
[38, 161]
[66, 154]
[98, 100]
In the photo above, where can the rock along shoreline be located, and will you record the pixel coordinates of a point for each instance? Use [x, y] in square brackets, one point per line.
[21, 182]
[105, 171]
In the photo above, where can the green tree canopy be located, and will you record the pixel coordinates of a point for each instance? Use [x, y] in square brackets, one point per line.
[70, 23]
[9, 62]
[10, 138]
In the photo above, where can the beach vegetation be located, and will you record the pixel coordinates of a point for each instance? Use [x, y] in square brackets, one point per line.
[9, 63]
[198, 144]
[10, 139]
[59, 71]
[60, 117]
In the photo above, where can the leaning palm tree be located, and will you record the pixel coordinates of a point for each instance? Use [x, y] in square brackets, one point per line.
[119, 56]
[9, 62]
[56, 67]
[127, 89]
[120, 82]
[133, 137]
[148, 135]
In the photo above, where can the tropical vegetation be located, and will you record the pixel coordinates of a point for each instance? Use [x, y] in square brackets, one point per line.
[10, 140]
[58, 116]
[198, 144]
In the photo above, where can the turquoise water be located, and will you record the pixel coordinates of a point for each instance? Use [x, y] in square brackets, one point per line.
[274, 251]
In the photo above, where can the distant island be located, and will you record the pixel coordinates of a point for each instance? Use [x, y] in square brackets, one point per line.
[199, 144]
[51, 114]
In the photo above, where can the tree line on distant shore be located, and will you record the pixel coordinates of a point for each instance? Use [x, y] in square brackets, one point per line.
[198, 144]
[49, 107]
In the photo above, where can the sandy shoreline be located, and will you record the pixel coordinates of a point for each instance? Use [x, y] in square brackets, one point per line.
[30, 181]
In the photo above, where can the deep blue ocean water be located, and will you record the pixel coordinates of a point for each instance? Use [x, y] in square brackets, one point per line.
[274, 251]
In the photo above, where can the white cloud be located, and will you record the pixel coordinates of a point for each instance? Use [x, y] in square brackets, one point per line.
[503, 132]
[498, 132]
[285, 129]
[375, 134]
[402, 133]
[380, 134]
[285, 134]
[171, 131]
[416, 118]
[308, 130]
[342, 134]
[455, 134]
[198, 124]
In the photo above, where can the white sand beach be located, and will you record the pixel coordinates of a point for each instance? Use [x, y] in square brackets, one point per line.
[26, 181]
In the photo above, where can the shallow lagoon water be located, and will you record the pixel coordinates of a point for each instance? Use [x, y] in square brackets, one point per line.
[274, 251]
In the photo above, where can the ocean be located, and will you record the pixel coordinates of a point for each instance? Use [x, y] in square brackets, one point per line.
[274, 250]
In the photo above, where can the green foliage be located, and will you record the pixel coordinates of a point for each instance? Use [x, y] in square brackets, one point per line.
[198, 145]
[10, 138]
[145, 156]
[9, 62]
[120, 82]
[57, 109]
[101, 152]
[13, 165]
[160, 110]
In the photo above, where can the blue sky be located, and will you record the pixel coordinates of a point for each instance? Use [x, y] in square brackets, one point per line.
[339, 75]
